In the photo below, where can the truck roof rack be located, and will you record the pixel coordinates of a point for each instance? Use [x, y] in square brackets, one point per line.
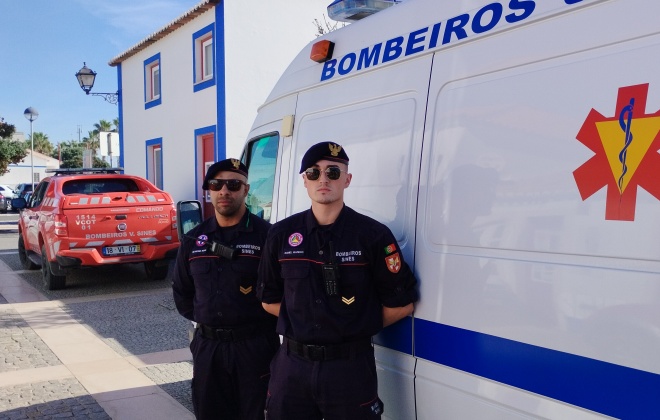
[73, 171]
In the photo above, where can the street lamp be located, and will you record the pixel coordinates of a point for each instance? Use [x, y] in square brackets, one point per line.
[86, 78]
[31, 114]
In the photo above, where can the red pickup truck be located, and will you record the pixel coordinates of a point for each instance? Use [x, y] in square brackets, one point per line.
[94, 217]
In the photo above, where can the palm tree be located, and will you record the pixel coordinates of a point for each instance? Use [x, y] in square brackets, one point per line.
[41, 143]
[115, 122]
[92, 141]
[103, 125]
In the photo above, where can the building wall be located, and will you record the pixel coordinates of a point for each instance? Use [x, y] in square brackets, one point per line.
[260, 39]
[21, 171]
[175, 120]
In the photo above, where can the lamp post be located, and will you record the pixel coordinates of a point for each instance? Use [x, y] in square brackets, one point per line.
[31, 114]
[86, 77]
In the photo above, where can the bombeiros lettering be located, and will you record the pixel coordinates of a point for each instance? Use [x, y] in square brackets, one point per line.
[449, 31]
[106, 235]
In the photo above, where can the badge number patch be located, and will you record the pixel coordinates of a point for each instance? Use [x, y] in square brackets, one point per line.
[393, 263]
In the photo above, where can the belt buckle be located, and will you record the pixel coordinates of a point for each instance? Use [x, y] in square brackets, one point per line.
[314, 353]
[223, 334]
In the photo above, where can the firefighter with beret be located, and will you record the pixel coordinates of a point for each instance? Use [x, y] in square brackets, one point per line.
[214, 285]
[334, 278]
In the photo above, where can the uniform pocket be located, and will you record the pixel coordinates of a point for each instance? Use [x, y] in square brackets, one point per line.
[296, 270]
[297, 285]
[200, 266]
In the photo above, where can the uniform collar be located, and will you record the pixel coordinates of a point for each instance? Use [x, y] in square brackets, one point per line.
[337, 227]
[245, 225]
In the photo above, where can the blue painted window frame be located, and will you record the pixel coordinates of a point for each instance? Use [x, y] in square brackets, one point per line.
[197, 37]
[147, 84]
[148, 147]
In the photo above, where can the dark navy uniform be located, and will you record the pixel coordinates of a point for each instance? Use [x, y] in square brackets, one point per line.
[326, 365]
[235, 338]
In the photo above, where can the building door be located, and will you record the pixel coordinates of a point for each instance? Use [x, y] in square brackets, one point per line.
[208, 159]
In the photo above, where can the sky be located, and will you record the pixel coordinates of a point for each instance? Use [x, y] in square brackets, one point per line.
[45, 42]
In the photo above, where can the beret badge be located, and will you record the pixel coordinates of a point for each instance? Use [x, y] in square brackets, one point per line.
[334, 149]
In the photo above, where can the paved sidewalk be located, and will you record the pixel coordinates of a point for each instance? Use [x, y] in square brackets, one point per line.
[51, 366]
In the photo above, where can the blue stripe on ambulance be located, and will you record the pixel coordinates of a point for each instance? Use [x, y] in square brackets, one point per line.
[614, 390]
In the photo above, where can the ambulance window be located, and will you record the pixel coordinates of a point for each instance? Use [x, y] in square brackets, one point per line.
[260, 156]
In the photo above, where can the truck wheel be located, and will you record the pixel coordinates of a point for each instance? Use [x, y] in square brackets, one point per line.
[26, 262]
[51, 281]
[154, 271]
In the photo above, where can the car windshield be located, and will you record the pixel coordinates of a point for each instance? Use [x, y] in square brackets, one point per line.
[99, 186]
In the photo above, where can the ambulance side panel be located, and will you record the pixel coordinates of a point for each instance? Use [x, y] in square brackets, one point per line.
[476, 154]
[379, 120]
[532, 303]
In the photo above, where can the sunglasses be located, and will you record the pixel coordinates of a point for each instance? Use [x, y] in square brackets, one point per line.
[232, 184]
[332, 172]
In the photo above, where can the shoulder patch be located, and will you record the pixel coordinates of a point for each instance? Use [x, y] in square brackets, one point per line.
[393, 263]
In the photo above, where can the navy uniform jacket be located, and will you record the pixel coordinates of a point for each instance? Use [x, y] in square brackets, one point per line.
[216, 291]
[373, 274]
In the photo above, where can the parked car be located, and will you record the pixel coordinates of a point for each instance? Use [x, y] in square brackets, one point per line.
[23, 188]
[6, 195]
[94, 218]
[5, 203]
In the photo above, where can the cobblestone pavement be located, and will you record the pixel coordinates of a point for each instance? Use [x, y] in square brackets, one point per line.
[53, 399]
[141, 324]
[20, 347]
[168, 376]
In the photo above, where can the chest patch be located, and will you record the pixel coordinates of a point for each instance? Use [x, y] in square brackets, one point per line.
[295, 239]
[202, 240]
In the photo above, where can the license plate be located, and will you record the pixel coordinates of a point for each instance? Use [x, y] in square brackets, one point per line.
[121, 250]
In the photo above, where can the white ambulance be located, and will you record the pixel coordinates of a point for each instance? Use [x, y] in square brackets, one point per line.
[512, 148]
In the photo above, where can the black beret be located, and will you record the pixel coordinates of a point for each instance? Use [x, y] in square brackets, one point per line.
[323, 151]
[230, 165]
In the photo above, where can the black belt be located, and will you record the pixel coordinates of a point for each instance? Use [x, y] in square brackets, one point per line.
[316, 353]
[234, 334]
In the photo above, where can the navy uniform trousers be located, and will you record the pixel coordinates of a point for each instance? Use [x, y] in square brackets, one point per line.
[304, 386]
[216, 386]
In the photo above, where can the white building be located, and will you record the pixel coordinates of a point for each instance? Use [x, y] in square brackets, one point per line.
[189, 92]
[21, 172]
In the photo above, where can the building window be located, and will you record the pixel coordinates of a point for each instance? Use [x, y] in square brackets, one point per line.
[207, 58]
[152, 82]
[204, 58]
[154, 149]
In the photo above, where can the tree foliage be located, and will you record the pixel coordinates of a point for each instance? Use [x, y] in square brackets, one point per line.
[41, 143]
[93, 140]
[71, 153]
[6, 130]
[10, 151]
